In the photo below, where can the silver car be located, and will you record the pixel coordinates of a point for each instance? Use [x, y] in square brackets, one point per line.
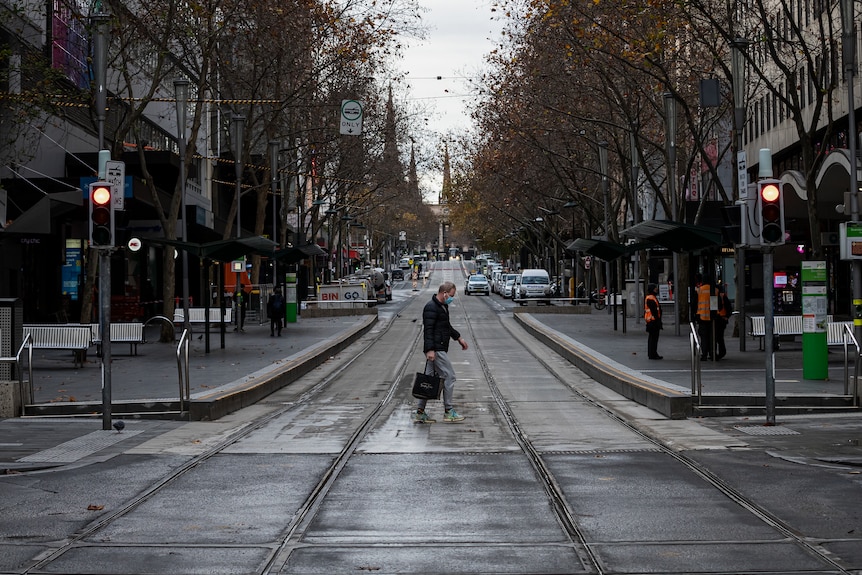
[477, 283]
[508, 288]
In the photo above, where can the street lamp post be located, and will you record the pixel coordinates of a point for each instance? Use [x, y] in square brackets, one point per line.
[181, 91]
[100, 59]
[273, 187]
[571, 204]
[670, 136]
[238, 129]
[330, 239]
[603, 170]
[635, 206]
[737, 61]
[848, 33]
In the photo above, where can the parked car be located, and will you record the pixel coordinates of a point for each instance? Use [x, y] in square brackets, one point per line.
[495, 281]
[509, 287]
[535, 284]
[501, 284]
[477, 283]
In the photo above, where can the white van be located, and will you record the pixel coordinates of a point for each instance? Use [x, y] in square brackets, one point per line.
[534, 284]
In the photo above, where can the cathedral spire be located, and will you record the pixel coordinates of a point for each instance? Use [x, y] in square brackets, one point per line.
[446, 190]
[412, 176]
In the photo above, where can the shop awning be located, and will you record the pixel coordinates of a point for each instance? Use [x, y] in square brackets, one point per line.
[37, 220]
[294, 254]
[602, 249]
[675, 236]
[224, 250]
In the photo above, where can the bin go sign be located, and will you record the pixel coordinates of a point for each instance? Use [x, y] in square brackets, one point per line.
[351, 117]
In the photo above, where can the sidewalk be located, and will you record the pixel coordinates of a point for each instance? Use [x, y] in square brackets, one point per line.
[151, 378]
[153, 373]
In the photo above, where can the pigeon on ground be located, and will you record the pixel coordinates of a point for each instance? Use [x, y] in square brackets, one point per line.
[119, 425]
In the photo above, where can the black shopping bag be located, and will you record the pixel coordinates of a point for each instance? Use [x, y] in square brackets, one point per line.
[427, 386]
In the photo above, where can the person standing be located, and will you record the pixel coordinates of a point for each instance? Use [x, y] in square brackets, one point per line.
[241, 299]
[704, 316]
[652, 317]
[275, 312]
[724, 310]
[437, 331]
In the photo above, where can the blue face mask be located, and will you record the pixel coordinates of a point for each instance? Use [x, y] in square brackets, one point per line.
[449, 299]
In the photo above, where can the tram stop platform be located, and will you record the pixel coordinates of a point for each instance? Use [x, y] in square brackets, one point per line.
[615, 354]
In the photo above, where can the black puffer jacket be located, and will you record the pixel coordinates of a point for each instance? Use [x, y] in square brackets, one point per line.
[437, 329]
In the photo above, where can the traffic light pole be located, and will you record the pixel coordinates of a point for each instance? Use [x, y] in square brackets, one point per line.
[772, 233]
[768, 333]
[105, 333]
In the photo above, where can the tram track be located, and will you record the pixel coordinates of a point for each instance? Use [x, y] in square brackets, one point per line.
[365, 345]
[567, 515]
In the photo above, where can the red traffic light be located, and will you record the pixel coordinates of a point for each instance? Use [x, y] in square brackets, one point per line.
[770, 192]
[101, 215]
[101, 195]
[771, 207]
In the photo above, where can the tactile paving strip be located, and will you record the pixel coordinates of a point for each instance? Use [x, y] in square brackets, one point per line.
[80, 447]
[765, 430]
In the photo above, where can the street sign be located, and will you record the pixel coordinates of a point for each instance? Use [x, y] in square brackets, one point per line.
[115, 174]
[351, 117]
[742, 174]
[850, 240]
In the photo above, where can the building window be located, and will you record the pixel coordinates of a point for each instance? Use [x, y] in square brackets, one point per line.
[69, 44]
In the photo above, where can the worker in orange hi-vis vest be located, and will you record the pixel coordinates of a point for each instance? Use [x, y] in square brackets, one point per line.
[652, 317]
[704, 316]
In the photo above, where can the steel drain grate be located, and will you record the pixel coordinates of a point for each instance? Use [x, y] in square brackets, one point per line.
[80, 447]
[765, 430]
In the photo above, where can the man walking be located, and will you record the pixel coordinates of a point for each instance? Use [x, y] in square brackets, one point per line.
[437, 331]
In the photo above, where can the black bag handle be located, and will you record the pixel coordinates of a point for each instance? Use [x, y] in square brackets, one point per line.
[433, 367]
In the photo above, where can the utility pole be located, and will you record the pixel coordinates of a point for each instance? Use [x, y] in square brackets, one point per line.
[238, 131]
[670, 136]
[737, 48]
[848, 29]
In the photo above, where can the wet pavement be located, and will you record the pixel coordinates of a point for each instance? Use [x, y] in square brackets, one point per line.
[443, 498]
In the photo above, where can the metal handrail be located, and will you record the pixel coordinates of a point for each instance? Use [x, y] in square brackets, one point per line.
[157, 318]
[16, 359]
[696, 381]
[183, 369]
[849, 337]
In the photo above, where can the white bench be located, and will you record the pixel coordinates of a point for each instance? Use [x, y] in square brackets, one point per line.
[131, 333]
[76, 338]
[781, 325]
[792, 325]
[197, 315]
[835, 332]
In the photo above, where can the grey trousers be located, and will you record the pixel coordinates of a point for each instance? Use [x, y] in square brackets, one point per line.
[445, 370]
